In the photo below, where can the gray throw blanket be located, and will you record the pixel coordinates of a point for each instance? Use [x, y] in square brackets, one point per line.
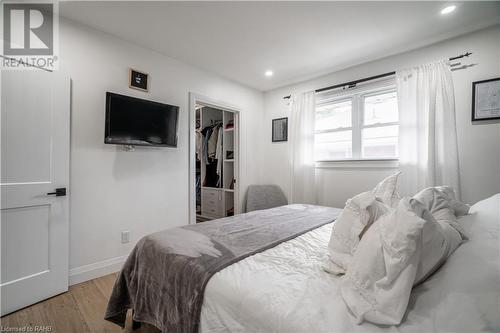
[164, 278]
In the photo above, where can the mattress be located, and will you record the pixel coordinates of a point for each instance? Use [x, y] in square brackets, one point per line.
[285, 288]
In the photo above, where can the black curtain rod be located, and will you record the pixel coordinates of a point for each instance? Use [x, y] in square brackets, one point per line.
[352, 84]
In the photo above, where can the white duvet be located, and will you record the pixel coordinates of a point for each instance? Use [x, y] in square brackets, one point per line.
[285, 289]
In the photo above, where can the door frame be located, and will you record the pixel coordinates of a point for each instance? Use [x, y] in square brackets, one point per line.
[194, 99]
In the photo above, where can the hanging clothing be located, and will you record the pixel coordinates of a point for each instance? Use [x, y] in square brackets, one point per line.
[199, 145]
[207, 131]
[211, 153]
[211, 177]
[212, 142]
[218, 152]
[198, 191]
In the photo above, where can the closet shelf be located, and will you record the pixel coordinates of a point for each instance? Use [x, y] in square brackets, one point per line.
[231, 160]
[229, 129]
[211, 188]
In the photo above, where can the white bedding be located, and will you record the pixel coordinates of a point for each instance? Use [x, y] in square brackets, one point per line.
[285, 289]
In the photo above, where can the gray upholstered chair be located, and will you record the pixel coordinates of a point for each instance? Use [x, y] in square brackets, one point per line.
[264, 197]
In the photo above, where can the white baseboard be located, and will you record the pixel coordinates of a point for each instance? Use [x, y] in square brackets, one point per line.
[95, 270]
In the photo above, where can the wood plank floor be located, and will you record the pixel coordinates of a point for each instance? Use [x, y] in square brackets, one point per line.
[81, 309]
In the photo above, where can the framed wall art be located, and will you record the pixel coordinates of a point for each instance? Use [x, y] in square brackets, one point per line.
[138, 80]
[486, 99]
[280, 130]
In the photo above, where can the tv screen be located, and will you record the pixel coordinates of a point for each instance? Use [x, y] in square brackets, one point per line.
[139, 122]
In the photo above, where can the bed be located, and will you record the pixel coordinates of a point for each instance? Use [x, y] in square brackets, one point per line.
[285, 288]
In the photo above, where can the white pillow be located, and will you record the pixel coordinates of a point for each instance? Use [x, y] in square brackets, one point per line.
[386, 190]
[401, 249]
[356, 217]
[460, 208]
[441, 202]
[439, 241]
[438, 197]
[378, 284]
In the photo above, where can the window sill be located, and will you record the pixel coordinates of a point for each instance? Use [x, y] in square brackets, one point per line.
[359, 164]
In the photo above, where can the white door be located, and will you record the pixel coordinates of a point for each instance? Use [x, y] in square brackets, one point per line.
[35, 120]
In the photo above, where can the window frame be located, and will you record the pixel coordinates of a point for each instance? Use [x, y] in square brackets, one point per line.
[356, 96]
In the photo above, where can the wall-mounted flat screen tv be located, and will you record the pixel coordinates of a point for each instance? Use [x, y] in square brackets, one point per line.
[139, 122]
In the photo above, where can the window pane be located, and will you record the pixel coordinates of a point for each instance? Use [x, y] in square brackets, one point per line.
[382, 108]
[380, 142]
[333, 146]
[333, 115]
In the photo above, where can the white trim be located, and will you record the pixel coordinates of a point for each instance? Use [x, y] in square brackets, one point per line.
[357, 121]
[358, 164]
[95, 270]
[197, 98]
[27, 183]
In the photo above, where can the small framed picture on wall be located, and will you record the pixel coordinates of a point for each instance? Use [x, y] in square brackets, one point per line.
[486, 99]
[280, 130]
[138, 80]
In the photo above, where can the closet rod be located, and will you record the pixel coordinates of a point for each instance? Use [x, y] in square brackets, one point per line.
[352, 84]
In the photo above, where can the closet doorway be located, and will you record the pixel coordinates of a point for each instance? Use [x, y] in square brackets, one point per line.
[214, 159]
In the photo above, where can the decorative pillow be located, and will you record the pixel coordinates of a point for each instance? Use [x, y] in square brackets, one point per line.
[356, 217]
[439, 241]
[386, 190]
[460, 208]
[378, 284]
[441, 202]
[400, 250]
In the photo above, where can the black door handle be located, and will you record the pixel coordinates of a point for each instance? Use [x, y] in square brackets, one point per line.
[59, 192]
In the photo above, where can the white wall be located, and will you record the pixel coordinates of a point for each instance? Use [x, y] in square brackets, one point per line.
[479, 143]
[146, 190]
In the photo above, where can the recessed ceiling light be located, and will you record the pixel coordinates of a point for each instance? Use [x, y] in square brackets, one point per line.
[447, 10]
[269, 73]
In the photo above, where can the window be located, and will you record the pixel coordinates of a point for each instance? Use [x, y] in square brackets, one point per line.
[358, 124]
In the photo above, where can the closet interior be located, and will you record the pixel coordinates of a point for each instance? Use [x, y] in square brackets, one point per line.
[216, 162]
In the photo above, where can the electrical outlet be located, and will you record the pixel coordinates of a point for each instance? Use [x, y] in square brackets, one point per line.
[125, 237]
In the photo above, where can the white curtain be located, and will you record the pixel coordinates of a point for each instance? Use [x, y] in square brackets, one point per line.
[303, 183]
[428, 151]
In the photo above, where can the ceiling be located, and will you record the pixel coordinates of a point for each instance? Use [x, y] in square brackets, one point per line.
[297, 40]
